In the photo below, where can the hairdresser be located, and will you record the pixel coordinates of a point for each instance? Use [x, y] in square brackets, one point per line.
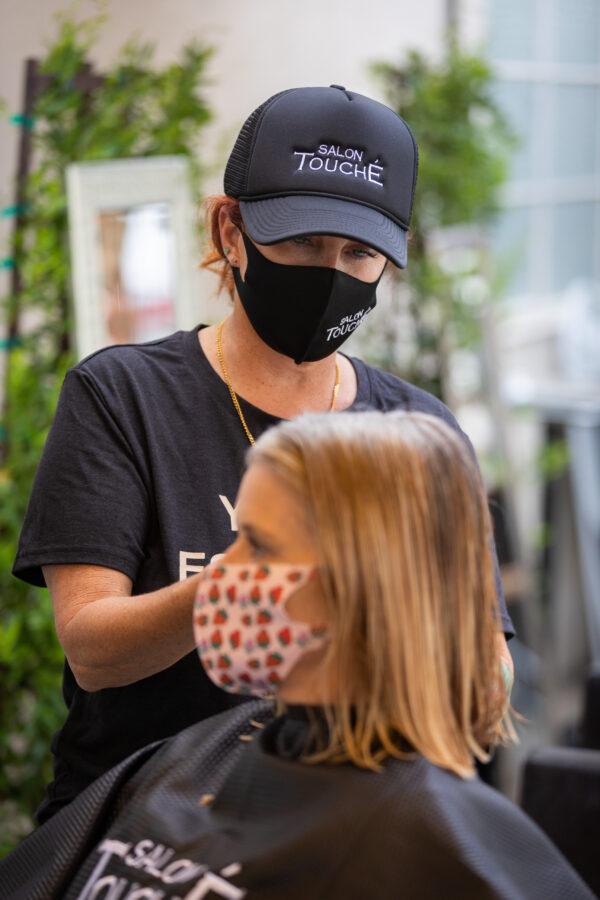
[135, 491]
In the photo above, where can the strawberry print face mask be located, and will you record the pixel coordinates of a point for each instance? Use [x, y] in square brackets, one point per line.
[246, 641]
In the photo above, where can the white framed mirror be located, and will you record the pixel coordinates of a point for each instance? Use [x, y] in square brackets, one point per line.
[134, 251]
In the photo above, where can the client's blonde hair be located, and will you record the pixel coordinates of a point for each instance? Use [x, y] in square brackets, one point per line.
[400, 519]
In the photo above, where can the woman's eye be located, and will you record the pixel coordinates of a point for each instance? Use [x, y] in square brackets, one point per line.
[303, 241]
[256, 550]
[361, 253]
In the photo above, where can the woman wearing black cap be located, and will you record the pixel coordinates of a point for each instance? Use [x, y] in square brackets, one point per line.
[135, 492]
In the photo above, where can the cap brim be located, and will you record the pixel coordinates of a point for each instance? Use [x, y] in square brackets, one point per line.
[280, 218]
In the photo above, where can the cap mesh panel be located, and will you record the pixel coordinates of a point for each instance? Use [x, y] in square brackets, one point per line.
[236, 172]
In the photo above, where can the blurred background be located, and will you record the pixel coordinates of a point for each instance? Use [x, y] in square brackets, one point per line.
[124, 121]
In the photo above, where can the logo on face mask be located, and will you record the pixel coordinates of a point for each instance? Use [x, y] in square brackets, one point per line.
[321, 301]
[348, 324]
[337, 160]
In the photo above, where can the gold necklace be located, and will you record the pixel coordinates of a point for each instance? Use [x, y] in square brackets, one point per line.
[234, 398]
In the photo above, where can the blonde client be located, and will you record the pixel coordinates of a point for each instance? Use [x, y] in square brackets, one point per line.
[360, 594]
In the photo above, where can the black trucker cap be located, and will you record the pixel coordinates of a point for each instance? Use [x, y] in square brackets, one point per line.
[324, 160]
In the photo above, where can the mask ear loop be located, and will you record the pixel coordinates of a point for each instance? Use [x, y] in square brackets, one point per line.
[313, 575]
[234, 263]
[280, 706]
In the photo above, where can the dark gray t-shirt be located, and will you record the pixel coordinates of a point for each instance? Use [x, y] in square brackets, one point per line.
[140, 473]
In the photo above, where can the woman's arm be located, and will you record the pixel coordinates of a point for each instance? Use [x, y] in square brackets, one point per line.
[111, 638]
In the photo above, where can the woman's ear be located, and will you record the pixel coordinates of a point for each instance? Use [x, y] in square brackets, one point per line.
[231, 238]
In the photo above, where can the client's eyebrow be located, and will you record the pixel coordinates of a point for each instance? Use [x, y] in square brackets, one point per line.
[256, 536]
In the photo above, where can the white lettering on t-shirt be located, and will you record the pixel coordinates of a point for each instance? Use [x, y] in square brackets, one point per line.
[186, 566]
[231, 510]
[189, 560]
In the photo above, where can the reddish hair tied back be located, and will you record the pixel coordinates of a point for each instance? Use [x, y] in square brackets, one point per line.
[215, 259]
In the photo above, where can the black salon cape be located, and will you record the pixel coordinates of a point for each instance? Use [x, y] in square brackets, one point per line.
[279, 828]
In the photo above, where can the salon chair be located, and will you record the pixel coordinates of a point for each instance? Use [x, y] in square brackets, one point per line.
[561, 791]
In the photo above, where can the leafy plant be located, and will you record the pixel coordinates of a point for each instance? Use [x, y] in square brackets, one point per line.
[464, 146]
[137, 110]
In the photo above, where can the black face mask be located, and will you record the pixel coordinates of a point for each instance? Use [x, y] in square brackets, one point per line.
[305, 312]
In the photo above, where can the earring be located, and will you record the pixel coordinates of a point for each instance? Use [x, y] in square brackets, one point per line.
[226, 250]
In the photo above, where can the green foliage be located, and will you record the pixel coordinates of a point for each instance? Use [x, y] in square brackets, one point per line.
[138, 110]
[553, 460]
[464, 145]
